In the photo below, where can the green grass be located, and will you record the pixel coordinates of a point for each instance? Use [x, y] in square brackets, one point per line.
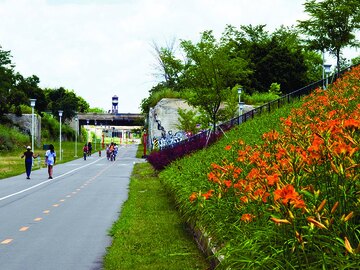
[11, 164]
[150, 234]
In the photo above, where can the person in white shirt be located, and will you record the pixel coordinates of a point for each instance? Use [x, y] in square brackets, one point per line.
[50, 159]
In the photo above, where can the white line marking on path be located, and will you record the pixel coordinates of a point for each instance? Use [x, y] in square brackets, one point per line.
[42, 183]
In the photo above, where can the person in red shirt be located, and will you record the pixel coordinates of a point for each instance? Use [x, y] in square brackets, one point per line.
[85, 150]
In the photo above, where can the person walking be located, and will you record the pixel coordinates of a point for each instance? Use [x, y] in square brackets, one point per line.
[85, 150]
[89, 145]
[50, 159]
[29, 156]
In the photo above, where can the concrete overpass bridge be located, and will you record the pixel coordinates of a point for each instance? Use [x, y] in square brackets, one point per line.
[111, 119]
[118, 127]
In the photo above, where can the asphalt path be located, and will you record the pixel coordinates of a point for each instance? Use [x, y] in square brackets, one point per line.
[63, 223]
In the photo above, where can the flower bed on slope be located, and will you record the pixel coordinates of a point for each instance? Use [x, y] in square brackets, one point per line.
[289, 201]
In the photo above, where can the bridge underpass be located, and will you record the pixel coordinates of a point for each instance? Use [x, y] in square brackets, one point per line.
[117, 127]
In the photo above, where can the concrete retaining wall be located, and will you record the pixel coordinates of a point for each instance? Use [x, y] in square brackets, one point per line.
[24, 122]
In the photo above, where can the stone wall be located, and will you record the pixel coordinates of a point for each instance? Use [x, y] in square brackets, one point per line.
[164, 116]
[24, 122]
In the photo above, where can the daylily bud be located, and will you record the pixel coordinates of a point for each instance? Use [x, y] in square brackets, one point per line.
[279, 221]
[348, 245]
[321, 206]
[316, 223]
[333, 209]
[349, 216]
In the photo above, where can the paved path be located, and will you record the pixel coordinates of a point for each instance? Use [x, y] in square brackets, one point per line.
[63, 223]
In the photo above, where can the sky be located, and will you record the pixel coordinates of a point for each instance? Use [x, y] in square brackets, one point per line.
[102, 48]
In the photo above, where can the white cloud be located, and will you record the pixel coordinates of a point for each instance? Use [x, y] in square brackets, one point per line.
[101, 48]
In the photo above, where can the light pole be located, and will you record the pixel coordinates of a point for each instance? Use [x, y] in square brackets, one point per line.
[60, 115]
[240, 109]
[76, 134]
[87, 130]
[327, 72]
[95, 135]
[32, 104]
[239, 93]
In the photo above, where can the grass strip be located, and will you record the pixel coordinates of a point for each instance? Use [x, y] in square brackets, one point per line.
[150, 233]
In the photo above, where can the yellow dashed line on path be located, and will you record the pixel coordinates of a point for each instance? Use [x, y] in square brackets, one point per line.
[62, 200]
[6, 241]
[23, 229]
[56, 205]
[46, 211]
[38, 219]
[68, 196]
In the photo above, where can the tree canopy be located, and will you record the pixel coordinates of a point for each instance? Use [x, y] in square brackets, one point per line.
[332, 25]
[16, 90]
[247, 56]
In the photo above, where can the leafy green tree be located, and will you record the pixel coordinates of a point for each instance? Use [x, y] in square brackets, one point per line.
[209, 73]
[6, 80]
[62, 99]
[83, 105]
[332, 25]
[156, 94]
[188, 121]
[277, 57]
[355, 61]
[169, 68]
[96, 110]
[29, 86]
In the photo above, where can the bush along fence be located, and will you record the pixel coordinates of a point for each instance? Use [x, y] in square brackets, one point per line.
[160, 158]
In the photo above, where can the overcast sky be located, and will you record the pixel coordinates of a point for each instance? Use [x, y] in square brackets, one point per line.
[102, 48]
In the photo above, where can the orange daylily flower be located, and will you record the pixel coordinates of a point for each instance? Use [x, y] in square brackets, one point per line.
[228, 147]
[228, 183]
[247, 217]
[273, 179]
[193, 197]
[288, 195]
[208, 194]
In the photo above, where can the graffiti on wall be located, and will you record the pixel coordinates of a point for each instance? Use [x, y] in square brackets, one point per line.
[166, 138]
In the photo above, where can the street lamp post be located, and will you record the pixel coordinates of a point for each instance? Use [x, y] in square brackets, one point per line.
[327, 72]
[87, 130]
[95, 135]
[76, 134]
[240, 109]
[60, 115]
[32, 104]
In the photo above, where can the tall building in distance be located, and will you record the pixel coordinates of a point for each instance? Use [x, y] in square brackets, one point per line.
[115, 101]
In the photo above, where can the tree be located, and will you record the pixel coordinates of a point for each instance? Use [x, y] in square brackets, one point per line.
[168, 66]
[332, 25]
[277, 57]
[6, 80]
[62, 99]
[209, 73]
[29, 86]
[188, 121]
